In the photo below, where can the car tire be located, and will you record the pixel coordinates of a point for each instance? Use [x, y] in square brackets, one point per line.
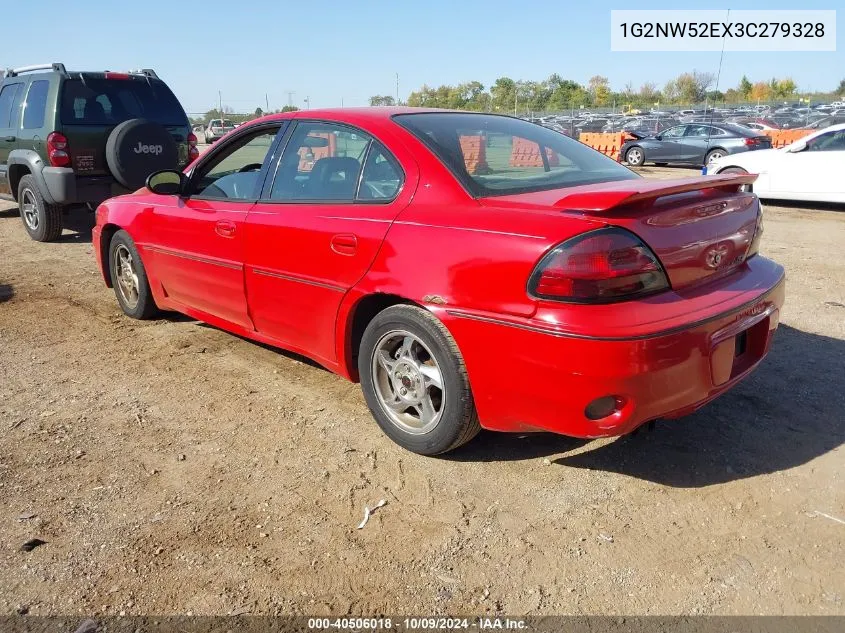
[738, 170]
[406, 349]
[713, 154]
[42, 221]
[635, 156]
[127, 273]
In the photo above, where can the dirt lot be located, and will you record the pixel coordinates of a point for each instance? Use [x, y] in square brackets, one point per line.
[174, 468]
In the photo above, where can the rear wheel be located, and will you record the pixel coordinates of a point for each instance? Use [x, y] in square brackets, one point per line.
[42, 221]
[713, 154]
[415, 382]
[129, 278]
[737, 170]
[635, 156]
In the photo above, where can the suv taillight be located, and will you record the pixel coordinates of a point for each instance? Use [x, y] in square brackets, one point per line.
[58, 151]
[600, 266]
[193, 151]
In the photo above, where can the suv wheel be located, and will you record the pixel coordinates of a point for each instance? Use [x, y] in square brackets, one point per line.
[42, 221]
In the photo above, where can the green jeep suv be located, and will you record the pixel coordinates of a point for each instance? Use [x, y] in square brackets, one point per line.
[73, 139]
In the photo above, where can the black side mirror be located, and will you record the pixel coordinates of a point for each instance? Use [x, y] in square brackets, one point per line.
[167, 182]
[659, 137]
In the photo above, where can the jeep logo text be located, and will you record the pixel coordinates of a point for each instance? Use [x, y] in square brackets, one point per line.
[148, 149]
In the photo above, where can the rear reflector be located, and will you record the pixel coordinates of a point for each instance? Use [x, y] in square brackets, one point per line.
[111, 75]
[600, 266]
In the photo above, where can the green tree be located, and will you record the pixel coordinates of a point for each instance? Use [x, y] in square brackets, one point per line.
[503, 94]
[259, 112]
[289, 108]
[599, 88]
[745, 87]
[840, 89]
[382, 100]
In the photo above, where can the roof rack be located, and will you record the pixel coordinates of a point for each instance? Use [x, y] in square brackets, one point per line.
[55, 66]
[147, 72]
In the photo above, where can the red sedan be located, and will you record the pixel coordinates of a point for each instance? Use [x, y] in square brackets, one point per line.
[471, 270]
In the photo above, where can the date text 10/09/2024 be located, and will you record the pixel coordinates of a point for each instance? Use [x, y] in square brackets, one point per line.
[417, 624]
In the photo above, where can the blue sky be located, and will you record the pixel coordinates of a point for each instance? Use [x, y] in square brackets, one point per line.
[333, 52]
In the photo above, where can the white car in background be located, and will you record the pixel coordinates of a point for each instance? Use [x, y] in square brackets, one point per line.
[811, 168]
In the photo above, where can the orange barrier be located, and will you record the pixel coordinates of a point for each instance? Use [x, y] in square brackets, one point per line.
[608, 144]
[526, 153]
[474, 149]
[310, 155]
[781, 138]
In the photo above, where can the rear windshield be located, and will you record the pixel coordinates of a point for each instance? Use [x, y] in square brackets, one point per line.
[497, 155]
[111, 101]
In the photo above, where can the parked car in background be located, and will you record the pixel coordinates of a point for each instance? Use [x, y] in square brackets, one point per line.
[304, 231]
[217, 129]
[73, 139]
[811, 168]
[825, 122]
[693, 144]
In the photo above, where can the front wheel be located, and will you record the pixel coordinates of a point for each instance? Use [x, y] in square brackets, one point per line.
[635, 156]
[129, 278]
[415, 382]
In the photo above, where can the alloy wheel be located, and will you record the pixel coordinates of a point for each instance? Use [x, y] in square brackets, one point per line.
[408, 382]
[634, 156]
[125, 275]
[29, 209]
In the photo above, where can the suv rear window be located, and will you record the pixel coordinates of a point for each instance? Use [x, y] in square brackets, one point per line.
[111, 101]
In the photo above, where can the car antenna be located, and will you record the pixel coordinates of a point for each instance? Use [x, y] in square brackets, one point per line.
[718, 77]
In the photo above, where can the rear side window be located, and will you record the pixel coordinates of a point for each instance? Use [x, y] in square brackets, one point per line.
[8, 98]
[112, 101]
[36, 105]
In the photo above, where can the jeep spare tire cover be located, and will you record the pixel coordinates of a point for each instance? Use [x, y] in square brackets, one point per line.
[137, 148]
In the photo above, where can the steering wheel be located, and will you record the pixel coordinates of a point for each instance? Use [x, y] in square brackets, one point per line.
[249, 167]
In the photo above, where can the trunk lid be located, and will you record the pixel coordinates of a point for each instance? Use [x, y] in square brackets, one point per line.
[699, 228]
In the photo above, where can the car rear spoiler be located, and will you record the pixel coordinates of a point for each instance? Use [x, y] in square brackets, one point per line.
[607, 196]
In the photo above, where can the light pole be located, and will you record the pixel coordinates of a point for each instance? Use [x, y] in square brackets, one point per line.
[307, 102]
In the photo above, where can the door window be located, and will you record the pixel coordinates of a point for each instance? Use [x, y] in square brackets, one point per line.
[8, 98]
[232, 173]
[36, 105]
[675, 132]
[828, 142]
[321, 162]
[698, 131]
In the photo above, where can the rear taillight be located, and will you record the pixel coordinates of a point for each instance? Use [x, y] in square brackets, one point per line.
[754, 247]
[193, 151]
[111, 75]
[604, 265]
[58, 151]
[754, 140]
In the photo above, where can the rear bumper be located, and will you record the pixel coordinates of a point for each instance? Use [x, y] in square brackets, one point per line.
[529, 376]
[65, 187]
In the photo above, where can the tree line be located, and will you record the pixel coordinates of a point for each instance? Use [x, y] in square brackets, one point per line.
[558, 94]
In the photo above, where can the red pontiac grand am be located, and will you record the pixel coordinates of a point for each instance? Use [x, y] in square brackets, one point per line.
[471, 270]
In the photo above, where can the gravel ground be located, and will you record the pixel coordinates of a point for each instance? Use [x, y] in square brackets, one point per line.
[172, 468]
